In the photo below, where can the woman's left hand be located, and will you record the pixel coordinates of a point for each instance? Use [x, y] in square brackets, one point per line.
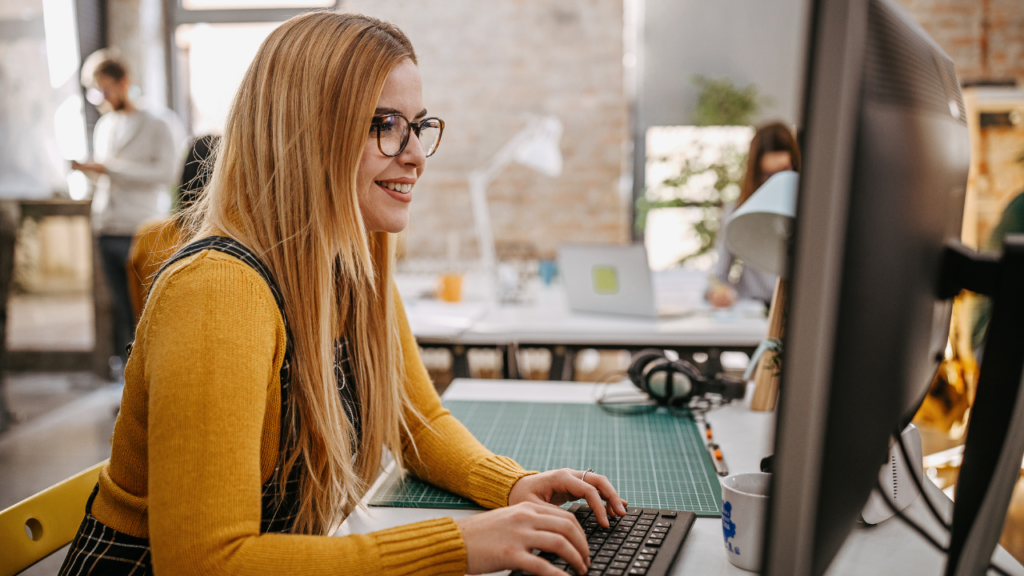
[560, 486]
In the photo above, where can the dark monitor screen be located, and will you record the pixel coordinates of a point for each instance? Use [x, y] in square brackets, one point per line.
[886, 157]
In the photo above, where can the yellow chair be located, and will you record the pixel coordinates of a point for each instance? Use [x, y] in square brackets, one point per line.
[40, 525]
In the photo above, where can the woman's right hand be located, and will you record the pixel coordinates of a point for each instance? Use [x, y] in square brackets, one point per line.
[504, 539]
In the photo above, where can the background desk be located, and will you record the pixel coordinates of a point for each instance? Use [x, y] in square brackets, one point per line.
[745, 437]
[547, 322]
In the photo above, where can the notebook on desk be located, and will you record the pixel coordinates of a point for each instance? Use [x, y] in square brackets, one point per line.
[611, 279]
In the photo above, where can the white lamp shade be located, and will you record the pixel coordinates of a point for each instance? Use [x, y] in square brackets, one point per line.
[758, 232]
[540, 149]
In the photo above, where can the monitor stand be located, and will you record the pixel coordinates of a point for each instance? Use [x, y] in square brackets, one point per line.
[995, 437]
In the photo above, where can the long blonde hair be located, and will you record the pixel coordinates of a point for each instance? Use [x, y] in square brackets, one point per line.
[284, 186]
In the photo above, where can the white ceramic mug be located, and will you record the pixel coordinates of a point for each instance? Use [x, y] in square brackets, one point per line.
[744, 504]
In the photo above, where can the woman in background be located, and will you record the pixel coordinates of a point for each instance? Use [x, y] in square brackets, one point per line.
[774, 149]
[273, 364]
[158, 239]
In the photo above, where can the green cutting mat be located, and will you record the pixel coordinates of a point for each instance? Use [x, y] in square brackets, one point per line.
[654, 460]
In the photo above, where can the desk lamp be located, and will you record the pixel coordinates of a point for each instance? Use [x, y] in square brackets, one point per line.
[758, 233]
[535, 146]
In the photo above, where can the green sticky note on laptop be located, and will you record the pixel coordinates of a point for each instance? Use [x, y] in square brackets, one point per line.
[606, 279]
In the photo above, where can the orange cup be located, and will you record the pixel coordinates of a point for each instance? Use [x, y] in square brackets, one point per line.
[450, 287]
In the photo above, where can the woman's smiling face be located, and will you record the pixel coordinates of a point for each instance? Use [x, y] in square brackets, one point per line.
[386, 184]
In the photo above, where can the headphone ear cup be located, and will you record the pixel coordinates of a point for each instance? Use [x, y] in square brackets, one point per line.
[682, 384]
[687, 380]
[659, 379]
[639, 366]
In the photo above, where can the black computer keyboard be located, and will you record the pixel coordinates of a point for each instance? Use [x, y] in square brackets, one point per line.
[644, 542]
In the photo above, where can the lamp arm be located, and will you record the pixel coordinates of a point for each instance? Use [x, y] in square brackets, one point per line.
[478, 182]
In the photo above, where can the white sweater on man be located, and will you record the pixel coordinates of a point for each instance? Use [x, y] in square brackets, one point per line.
[137, 148]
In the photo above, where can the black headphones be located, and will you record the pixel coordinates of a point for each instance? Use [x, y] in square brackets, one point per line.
[674, 382]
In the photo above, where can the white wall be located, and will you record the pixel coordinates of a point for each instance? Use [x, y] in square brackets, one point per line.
[749, 41]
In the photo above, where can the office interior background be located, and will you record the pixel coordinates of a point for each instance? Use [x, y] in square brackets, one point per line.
[629, 81]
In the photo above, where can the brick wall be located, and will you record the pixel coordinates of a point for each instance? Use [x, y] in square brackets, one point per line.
[484, 65]
[985, 38]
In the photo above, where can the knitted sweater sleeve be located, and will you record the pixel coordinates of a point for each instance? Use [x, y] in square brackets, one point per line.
[213, 345]
[441, 450]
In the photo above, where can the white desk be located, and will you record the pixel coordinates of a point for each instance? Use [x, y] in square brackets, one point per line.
[745, 437]
[547, 321]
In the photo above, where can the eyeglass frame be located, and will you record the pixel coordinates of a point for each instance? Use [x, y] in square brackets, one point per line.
[375, 122]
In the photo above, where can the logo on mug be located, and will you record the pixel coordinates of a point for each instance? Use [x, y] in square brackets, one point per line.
[729, 528]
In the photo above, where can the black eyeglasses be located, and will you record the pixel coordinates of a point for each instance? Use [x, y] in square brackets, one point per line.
[393, 131]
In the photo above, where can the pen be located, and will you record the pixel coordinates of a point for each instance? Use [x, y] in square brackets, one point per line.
[715, 451]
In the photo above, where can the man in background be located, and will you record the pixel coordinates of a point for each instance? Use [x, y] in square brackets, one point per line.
[134, 166]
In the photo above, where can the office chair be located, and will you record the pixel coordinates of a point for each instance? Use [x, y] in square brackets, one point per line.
[41, 524]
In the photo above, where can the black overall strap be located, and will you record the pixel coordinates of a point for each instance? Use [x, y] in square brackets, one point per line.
[280, 501]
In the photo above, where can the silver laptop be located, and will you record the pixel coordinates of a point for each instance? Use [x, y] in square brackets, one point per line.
[611, 279]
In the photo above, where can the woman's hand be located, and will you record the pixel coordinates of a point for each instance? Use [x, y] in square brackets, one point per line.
[560, 486]
[505, 538]
[722, 296]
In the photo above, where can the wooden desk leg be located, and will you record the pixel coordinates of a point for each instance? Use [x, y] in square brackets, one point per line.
[766, 376]
[460, 362]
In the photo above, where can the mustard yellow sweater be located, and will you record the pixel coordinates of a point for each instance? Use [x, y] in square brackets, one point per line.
[197, 436]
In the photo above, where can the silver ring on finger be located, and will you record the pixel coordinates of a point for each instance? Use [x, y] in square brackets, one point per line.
[585, 472]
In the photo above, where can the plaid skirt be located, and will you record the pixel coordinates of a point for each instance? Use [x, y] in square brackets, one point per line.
[99, 550]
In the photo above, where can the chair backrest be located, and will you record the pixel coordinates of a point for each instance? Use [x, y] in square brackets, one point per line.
[40, 525]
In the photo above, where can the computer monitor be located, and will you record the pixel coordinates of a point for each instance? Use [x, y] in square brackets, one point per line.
[886, 156]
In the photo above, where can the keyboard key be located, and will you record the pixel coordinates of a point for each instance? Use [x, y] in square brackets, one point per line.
[642, 557]
[603, 552]
[631, 545]
[668, 514]
[653, 543]
[641, 564]
[637, 571]
[659, 530]
[614, 572]
[593, 572]
[649, 516]
[649, 551]
[623, 558]
[598, 565]
[635, 539]
[619, 565]
[645, 522]
[662, 524]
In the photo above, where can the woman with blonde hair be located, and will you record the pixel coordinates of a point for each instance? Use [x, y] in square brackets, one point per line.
[273, 364]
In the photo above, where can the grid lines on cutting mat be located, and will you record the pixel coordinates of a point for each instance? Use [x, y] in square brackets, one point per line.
[654, 460]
